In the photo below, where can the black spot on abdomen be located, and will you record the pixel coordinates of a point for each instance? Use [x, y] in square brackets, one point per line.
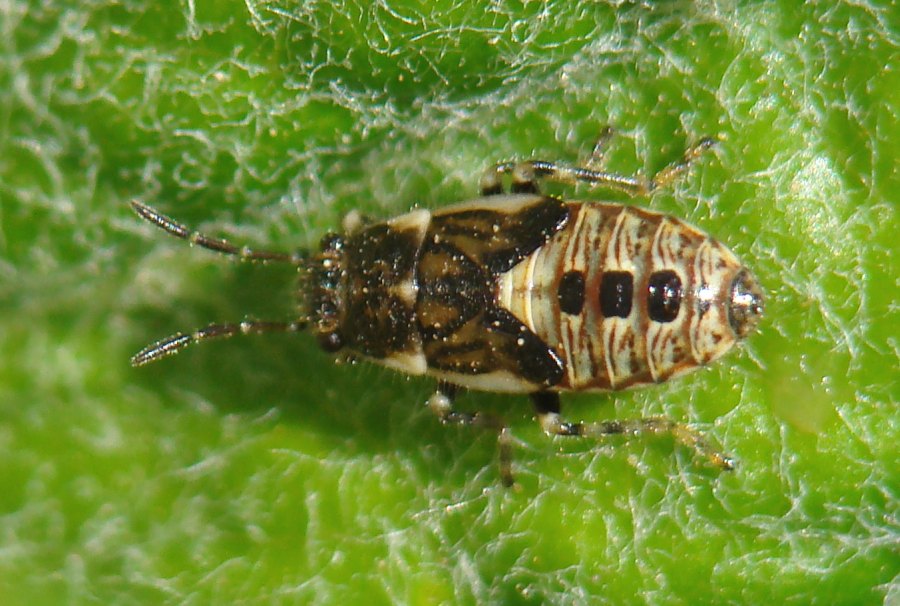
[664, 293]
[616, 294]
[571, 293]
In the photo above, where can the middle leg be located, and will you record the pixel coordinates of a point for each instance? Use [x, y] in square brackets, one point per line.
[441, 404]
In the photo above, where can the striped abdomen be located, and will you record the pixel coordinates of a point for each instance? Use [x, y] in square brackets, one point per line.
[625, 296]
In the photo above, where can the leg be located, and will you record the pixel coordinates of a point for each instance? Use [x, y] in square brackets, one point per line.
[174, 344]
[548, 409]
[597, 161]
[223, 246]
[441, 404]
[524, 179]
[525, 174]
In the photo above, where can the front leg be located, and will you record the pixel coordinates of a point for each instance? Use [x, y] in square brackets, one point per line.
[441, 404]
[547, 405]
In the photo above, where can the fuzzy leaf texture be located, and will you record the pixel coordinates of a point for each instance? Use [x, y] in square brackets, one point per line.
[258, 471]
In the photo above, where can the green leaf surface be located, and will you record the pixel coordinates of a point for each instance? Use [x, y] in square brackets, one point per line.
[258, 471]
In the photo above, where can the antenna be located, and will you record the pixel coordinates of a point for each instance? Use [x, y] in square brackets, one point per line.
[216, 244]
[173, 344]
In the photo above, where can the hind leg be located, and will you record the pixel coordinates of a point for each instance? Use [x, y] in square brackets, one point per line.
[548, 410]
[525, 175]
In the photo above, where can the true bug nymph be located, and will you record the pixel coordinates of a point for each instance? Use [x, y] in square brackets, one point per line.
[519, 292]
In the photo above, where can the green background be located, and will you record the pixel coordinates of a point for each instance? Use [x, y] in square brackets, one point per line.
[258, 471]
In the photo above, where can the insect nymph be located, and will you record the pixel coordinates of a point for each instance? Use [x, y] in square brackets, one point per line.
[520, 292]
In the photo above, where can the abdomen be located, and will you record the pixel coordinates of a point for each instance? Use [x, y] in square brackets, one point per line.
[625, 296]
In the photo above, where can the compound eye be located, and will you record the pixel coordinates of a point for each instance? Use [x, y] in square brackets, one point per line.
[330, 341]
[331, 241]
